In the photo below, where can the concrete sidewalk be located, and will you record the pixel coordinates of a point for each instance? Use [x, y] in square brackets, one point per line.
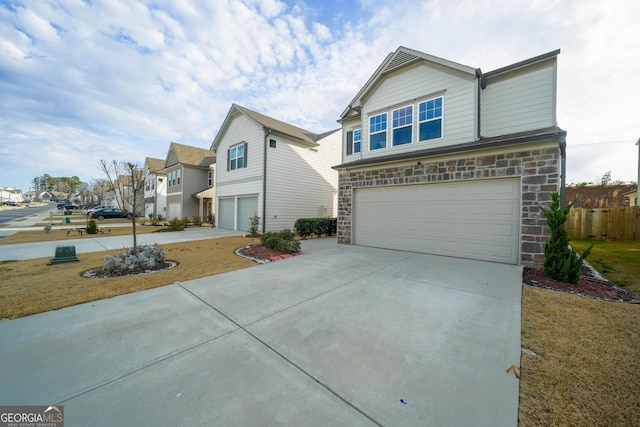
[22, 251]
[343, 335]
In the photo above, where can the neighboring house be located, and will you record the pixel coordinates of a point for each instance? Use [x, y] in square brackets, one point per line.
[206, 198]
[631, 198]
[187, 171]
[273, 170]
[11, 195]
[445, 159]
[599, 196]
[125, 195]
[45, 197]
[155, 188]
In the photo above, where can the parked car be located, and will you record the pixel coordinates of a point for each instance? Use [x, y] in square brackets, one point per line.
[88, 210]
[108, 213]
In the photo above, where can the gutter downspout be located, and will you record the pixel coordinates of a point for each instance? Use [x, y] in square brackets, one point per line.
[563, 168]
[482, 83]
[264, 180]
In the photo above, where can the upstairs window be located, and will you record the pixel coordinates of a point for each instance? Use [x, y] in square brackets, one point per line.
[237, 157]
[430, 119]
[354, 141]
[378, 132]
[178, 173]
[357, 141]
[402, 125]
[210, 178]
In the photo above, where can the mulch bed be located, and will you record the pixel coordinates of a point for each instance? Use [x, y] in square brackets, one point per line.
[100, 272]
[586, 286]
[259, 253]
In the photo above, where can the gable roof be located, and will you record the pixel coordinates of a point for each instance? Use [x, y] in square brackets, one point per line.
[403, 57]
[190, 156]
[154, 165]
[268, 123]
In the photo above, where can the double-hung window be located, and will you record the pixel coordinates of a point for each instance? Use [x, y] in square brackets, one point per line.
[237, 157]
[354, 141]
[378, 131]
[430, 119]
[402, 125]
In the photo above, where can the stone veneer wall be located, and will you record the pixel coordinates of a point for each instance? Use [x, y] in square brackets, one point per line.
[539, 170]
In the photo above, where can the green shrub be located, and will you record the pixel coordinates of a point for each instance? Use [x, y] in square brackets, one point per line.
[92, 227]
[305, 227]
[184, 221]
[197, 221]
[254, 225]
[282, 241]
[175, 225]
[561, 262]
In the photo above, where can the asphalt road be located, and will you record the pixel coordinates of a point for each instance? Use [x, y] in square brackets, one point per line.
[12, 214]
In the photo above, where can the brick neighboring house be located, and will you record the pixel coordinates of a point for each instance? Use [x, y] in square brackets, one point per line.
[600, 196]
[188, 175]
[445, 159]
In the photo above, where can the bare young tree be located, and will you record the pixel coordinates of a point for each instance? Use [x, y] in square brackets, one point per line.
[127, 182]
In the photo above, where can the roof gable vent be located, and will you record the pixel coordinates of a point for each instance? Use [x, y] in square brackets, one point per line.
[402, 58]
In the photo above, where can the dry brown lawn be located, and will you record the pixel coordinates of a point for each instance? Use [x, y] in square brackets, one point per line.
[586, 371]
[29, 287]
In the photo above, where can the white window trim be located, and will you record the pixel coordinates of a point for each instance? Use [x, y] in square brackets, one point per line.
[441, 118]
[386, 130]
[413, 109]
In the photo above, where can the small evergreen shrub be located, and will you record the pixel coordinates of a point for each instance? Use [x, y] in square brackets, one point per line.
[92, 227]
[561, 262]
[282, 241]
[305, 227]
[197, 221]
[148, 257]
[254, 225]
[175, 225]
[184, 221]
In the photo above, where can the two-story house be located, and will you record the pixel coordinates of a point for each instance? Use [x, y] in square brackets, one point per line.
[446, 159]
[273, 170]
[188, 171]
[155, 188]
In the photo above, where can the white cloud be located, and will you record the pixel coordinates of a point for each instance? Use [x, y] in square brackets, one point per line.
[125, 78]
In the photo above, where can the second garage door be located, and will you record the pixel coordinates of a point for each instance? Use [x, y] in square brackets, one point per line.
[477, 219]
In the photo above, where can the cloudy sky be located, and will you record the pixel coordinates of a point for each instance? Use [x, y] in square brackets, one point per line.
[82, 80]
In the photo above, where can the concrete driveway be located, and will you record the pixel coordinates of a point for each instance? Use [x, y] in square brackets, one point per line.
[342, 335]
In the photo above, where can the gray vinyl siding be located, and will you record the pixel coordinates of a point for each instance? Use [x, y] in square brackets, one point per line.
[300, 181]
[411, 85]
[193, 180]
[519, 101]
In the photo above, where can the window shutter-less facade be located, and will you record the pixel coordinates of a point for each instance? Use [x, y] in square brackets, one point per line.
[349, 143]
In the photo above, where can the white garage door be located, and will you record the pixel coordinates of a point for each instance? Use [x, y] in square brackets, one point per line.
[477, 220]
[225, 213]
[247, 207]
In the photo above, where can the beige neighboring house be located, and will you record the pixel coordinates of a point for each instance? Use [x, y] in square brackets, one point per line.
[11, 195]
[155, 188]
[125, 189]
[190, 181]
